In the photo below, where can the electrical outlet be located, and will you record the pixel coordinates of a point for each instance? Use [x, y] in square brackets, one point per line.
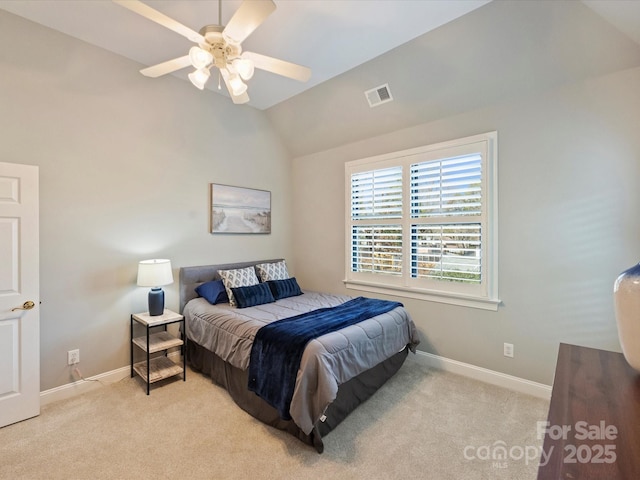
[508, 350]
[73, 357]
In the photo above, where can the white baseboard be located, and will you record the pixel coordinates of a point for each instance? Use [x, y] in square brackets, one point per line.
[91, 383]
[492, 377]
[82, 386]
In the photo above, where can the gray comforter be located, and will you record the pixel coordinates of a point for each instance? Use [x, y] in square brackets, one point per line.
[327, 362]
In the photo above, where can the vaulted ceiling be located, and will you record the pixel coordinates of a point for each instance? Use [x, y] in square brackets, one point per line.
[330, 37]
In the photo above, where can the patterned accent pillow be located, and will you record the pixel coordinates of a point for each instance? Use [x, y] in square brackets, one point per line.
[253, 295]
[284, 288]
[272, 271]
[241, 277]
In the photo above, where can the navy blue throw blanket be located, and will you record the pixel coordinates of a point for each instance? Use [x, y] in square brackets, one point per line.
[277, 349]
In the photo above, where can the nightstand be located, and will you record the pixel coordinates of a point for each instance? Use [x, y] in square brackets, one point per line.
[158, 367]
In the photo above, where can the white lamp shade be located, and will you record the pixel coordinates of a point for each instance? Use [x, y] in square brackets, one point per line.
[200, 58]
[154, 273]
[238, 87]
[244, 67]
[199, 77]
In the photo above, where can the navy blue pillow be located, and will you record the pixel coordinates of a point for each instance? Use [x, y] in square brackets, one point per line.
[253, 295]
[213, 291]
[284, 288]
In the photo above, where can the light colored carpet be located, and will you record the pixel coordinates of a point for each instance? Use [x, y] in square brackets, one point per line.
[423, 424]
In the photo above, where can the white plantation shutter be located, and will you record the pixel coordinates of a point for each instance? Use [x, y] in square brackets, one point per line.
[447, 252]
[443, 193]
[377, 194]
[447, 187]
[422, 222]
[377, 249]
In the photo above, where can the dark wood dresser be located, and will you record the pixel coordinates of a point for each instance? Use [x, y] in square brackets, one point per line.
[593, 429]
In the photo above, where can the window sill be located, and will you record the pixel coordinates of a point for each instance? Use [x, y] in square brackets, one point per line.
[428, 295]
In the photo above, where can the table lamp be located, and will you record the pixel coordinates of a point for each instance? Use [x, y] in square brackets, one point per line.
[155, 273]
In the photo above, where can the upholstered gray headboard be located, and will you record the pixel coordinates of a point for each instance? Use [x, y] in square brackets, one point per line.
[192, 277]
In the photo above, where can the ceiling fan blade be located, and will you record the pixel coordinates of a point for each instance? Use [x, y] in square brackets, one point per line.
[166, 67]
[237, 99]
[279, 67]
[247, 18]
[160, 18]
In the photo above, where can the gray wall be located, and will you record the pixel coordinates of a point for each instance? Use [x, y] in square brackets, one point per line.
[568, 163]
[125, 162]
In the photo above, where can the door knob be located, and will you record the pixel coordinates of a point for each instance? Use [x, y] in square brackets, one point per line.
[28, 305]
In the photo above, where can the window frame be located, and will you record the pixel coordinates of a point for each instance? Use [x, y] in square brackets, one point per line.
[483, 295]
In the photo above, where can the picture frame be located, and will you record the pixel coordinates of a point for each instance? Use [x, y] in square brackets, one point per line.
[239, 210]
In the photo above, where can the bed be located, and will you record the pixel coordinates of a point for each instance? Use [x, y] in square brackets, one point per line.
[337, 371]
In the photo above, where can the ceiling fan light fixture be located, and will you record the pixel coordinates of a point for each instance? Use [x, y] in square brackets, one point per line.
[238, 87]
[200, 58]
[199, 77]
[244, 67]
[220, 46]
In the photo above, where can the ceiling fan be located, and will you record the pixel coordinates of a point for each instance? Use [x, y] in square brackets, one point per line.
[221, 47]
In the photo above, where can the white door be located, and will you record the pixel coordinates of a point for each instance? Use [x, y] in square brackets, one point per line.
[19, 294]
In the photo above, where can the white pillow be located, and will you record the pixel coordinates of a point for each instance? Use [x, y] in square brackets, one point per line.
[241, 277]
[272, 271]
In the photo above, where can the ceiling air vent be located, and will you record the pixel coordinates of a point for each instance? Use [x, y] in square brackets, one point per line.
[379, 95]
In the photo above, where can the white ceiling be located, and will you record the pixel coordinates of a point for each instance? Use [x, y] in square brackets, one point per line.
[329, 36]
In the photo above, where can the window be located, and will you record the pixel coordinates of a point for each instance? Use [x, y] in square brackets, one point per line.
[422, 223]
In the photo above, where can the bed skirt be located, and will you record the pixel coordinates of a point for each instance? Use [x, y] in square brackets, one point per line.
[350, 394]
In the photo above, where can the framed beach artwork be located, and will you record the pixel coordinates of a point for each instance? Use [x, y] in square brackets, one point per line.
[239, 210]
